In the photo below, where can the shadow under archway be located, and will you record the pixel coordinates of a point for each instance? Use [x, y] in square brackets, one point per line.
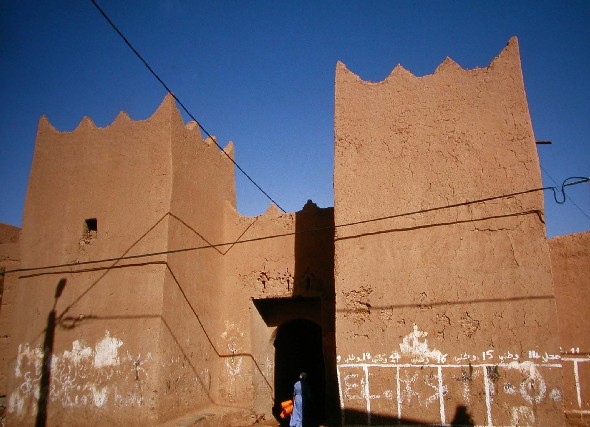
[298, 348]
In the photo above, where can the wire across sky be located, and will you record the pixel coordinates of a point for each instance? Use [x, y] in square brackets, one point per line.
[261, 74]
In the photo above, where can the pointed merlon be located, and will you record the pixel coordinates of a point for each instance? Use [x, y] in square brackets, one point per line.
[45, 125]
[400, 71]
[343, 74]
[167, 111]
[85, 124]
[272, 211]
[122, 119]
[229, 150]
[168, 101]
[448, 66]
[509, 58]
[194, 129]
[211, 141]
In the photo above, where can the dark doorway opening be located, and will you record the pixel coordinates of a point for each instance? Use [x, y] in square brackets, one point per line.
[298, 348]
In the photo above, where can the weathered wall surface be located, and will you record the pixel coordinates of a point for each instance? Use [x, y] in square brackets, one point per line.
[102, 331]
[254, 269]
[278, 269]
[445, 309]
[156, 297]
[203, 182]
[9, 260]
[9, 238]
[570, 262]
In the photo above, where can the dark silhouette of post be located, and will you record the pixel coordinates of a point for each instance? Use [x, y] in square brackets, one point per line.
[47, 356]
[462, 417]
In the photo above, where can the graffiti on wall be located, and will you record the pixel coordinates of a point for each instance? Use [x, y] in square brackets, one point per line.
[232, 337]
[577, 365]
[80, 377]
[423, 380]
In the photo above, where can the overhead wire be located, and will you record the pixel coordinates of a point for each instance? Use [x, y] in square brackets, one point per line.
[561, 189]
[185, 109]
[564, 184]
[557, 189]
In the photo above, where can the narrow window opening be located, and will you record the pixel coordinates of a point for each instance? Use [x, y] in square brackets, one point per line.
[90, 228]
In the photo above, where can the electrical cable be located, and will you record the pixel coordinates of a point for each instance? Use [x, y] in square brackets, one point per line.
[581, 180]
[150, 69]
[562, 191]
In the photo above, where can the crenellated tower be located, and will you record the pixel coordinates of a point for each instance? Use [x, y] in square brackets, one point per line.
[140, 294]
[143, 295]
[444, 295]
[106, 210]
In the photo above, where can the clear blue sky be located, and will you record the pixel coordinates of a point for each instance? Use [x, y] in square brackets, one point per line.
[261, 74]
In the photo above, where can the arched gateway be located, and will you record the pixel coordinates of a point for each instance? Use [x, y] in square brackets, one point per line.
[298, 348]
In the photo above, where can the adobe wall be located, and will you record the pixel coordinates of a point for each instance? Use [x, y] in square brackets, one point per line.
[106, 323]
[9, 260]
[278, 269]
[174, 303]
[570, 261]
[445, 307]
[203, 182]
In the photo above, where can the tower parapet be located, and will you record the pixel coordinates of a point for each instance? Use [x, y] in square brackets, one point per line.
[102, 212]
[443, 287]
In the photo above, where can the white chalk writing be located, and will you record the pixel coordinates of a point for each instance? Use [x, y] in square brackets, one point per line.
[420, 375]
[80, 376]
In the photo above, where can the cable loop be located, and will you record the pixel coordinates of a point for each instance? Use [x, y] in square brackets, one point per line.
[560, 189]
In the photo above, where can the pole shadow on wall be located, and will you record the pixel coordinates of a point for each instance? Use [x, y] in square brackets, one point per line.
[45, 382]
[462, 418]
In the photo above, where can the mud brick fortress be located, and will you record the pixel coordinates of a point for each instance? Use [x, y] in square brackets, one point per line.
[135, 292]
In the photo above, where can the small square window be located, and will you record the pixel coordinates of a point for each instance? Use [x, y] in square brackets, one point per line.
[90, 228]
[91, 224]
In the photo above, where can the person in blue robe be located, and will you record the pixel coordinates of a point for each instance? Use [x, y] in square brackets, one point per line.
[300, 401]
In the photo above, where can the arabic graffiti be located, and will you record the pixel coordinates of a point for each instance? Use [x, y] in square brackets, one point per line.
[420, 380]
[578, 367]
[81, 376]
[436, 357]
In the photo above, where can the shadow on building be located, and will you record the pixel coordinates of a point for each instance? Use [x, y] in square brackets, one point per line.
[304, 340]
[45, 381]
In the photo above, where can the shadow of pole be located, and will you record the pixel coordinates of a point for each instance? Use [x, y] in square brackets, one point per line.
[45, 382]
[462, 417]
[357, 417]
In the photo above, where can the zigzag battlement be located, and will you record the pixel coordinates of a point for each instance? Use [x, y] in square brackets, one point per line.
[508, 59]
[429, 134]
[167, 114]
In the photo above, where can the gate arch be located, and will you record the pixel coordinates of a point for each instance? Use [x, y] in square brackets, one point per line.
[298, 348]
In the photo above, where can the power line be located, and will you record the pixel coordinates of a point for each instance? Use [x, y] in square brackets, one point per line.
[561, 188]
[564, 184]
[151, 70]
